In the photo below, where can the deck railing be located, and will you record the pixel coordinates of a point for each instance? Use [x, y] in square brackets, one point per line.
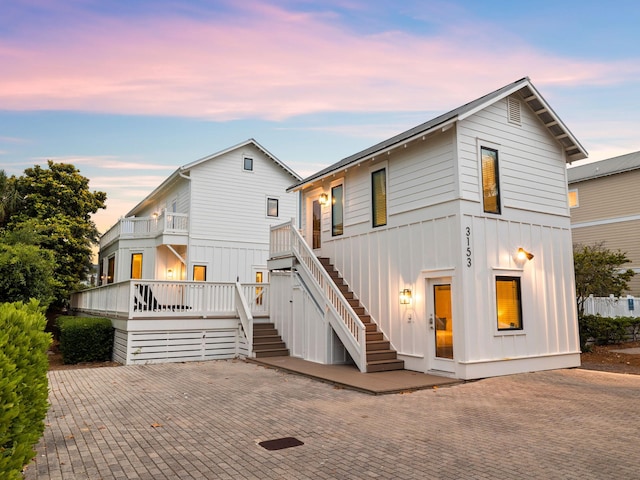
[287, 241]
[162, 299]
[147, 227]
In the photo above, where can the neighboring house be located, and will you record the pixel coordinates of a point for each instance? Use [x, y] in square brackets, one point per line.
[208, 221]
[453, 241]
[605, 207]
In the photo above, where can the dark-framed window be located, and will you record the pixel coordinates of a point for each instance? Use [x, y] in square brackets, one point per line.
[199, 273]
[272, 207]
[317, 223]
[508, 303]
[337, 210]
[490, 180]
[379, 197]
[247, 164]
[111, 269]
[136, 266]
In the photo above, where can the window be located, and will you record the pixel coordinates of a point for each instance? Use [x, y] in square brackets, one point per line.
[111, 269]
[136, 265]
[337, 211]
[490, 184]
[573, 198]
[508, 304]
[247, 164]
[317, 223]
[379, 197]
[199, 273]
[272, 207]
[259, 290]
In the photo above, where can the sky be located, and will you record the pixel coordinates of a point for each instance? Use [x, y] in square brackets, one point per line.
[128, 91]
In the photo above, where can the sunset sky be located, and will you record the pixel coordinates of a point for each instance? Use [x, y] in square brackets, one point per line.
[129, 90]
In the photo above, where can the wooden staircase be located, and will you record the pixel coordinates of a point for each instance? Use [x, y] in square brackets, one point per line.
[267, 342]
[380, 356]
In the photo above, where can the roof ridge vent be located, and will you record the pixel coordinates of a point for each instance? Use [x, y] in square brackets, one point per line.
[514, 111]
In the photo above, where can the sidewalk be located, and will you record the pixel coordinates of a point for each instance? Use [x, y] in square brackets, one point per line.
[206, 421]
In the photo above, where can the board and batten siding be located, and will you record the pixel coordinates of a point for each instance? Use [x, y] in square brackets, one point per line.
[531, 162]
[228, 261]
[178, 191]
[230, 204]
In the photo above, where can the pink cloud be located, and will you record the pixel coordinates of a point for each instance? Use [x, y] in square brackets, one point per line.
[269, 63]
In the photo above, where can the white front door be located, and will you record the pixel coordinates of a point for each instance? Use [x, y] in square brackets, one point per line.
[440, 324]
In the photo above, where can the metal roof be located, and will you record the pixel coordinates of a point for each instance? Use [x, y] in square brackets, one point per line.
[524, 87]
[610, 166]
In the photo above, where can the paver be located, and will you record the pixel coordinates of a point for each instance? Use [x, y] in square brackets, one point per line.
[205, 420]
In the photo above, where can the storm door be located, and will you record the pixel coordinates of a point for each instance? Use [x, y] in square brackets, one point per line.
[440, 325]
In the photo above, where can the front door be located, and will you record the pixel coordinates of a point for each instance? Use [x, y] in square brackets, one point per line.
[440, 324]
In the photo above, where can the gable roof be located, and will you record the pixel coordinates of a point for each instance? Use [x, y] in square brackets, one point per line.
[524, 87]
[603, 168]
[184, 170]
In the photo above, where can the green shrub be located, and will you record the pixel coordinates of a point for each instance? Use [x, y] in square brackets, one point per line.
[85, 339]
[23, 384]
[605, 330]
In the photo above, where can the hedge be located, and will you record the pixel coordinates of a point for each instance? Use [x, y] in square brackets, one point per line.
[85, 339]
[605, 330]
[23, 384]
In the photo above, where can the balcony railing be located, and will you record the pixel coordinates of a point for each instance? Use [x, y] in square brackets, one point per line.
[167, 299]
[147, 227]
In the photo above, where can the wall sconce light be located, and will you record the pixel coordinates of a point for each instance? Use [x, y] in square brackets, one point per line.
[154, 214]
[405, 297]
[169, 274]
[324, 199]
[521, 256]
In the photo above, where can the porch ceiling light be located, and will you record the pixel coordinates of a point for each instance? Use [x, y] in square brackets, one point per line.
[405, 297]
[521, 256]
[324, 199]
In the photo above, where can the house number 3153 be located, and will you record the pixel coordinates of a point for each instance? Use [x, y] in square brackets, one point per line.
[468, 251]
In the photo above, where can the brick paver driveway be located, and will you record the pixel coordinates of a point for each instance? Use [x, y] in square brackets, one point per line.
[205, 420]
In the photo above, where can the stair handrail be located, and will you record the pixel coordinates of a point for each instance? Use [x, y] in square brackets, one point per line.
[340, 307]
[246, 317]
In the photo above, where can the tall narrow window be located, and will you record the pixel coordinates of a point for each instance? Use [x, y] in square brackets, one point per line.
[337, 211]
[259, 290]
[248, 164]
[379, 197]
[272, 207]
[136, 265]
[199, 273]
[573, 198]
[490, 184]
[508, 303]
[317, 223]
[111, 269]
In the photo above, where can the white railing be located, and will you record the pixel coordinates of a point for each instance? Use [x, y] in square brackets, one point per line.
[147, 227]
[257, 296]
[612, 306]
[246, 318]
[156, 298]
[286, 240]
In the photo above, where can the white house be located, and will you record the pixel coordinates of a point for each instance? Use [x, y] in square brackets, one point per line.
[208, 221]
[454, 242]
[184, 273]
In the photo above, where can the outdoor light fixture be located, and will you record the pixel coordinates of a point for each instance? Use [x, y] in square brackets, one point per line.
[521, 256]
[169, 274]
[324, 199]
[405, 297]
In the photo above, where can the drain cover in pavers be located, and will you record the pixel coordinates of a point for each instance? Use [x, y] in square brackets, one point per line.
[280, 443]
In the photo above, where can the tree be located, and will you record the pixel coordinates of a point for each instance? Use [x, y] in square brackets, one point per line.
[598, 272]
[54, 213]
[9, 198]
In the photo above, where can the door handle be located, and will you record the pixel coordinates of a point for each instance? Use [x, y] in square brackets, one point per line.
[431, 321]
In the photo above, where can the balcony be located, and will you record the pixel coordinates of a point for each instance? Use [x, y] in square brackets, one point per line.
[167, 223]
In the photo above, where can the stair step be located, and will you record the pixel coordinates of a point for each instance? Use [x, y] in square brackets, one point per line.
[372, 336]
[263, 326]
[354, 302]
[268, 345]
[370, 327]
[275, 352]
[384, 365]
[378, 345]
[376, 355]
[261, 340]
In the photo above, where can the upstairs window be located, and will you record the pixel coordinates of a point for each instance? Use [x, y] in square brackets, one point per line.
[199, 273]
[247, 164]
[272, 207]
[508, 304]
[573, 199]
[111, 269]
[136, 266]
[337, 210]
[379, 197]
[490, 180]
